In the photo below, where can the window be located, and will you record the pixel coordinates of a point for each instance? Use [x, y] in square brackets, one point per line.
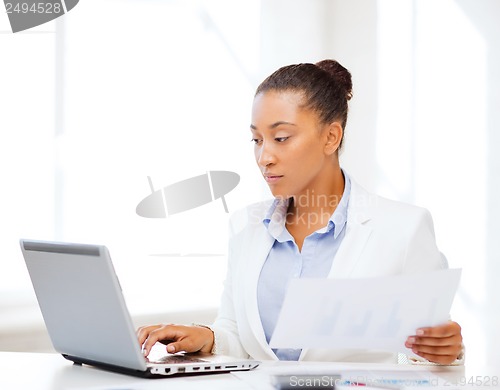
[137, 89]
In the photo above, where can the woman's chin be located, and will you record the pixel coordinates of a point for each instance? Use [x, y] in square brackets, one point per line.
[280, 192]
[280, 195]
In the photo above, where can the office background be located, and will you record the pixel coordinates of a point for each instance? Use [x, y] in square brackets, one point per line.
[115, 91]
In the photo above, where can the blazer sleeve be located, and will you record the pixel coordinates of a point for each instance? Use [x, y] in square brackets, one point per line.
[422, 254]
[225, 327]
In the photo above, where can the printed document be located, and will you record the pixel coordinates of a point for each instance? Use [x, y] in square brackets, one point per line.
[371, 313]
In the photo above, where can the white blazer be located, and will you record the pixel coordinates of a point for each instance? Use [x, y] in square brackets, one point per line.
[383, 237]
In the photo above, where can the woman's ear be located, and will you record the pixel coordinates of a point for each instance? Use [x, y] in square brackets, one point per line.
[333, 133]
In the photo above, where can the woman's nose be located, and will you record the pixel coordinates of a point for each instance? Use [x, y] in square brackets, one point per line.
[265, 155]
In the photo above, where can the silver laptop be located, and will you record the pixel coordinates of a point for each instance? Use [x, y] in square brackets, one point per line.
[87, 319]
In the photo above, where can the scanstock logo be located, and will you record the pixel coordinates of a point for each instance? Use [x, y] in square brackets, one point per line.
[25, 14]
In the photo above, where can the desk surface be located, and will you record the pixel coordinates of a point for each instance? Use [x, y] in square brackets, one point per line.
[43, 371]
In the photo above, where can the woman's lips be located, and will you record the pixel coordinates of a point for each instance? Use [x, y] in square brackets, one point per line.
[272, 178]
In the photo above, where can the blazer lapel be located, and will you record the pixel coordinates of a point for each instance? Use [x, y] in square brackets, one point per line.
[357, 232]
[350, 250]
[257, 248]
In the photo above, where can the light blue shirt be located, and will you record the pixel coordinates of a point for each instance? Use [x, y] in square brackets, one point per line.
[285, 261]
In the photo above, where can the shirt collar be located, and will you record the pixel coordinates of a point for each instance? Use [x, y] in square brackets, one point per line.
[275, 217]
[275, 220]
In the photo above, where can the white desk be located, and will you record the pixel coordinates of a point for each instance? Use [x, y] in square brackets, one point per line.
[20, 370]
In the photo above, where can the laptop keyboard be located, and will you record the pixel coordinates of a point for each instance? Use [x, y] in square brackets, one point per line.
[176, 359]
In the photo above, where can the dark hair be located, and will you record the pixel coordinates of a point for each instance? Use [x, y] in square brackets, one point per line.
[326, 86]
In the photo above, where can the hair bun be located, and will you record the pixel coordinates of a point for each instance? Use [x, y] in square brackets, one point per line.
[340, 74]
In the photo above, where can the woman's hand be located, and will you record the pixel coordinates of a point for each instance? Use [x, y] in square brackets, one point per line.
[176, 337]
[440, 344]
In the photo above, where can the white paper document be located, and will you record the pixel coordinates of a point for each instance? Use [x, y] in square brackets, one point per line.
[372, 313]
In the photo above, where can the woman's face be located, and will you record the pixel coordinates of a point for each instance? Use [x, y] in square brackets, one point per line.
[292, 149]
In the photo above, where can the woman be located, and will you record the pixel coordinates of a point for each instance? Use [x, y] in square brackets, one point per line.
[320, 224]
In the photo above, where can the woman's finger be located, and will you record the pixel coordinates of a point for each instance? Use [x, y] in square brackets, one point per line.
[144, 331]
[440, 359]
[434, 341]
[166, 332]
[445, 330]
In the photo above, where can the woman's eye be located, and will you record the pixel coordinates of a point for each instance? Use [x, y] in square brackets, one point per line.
[281, 139]
[256, 141]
